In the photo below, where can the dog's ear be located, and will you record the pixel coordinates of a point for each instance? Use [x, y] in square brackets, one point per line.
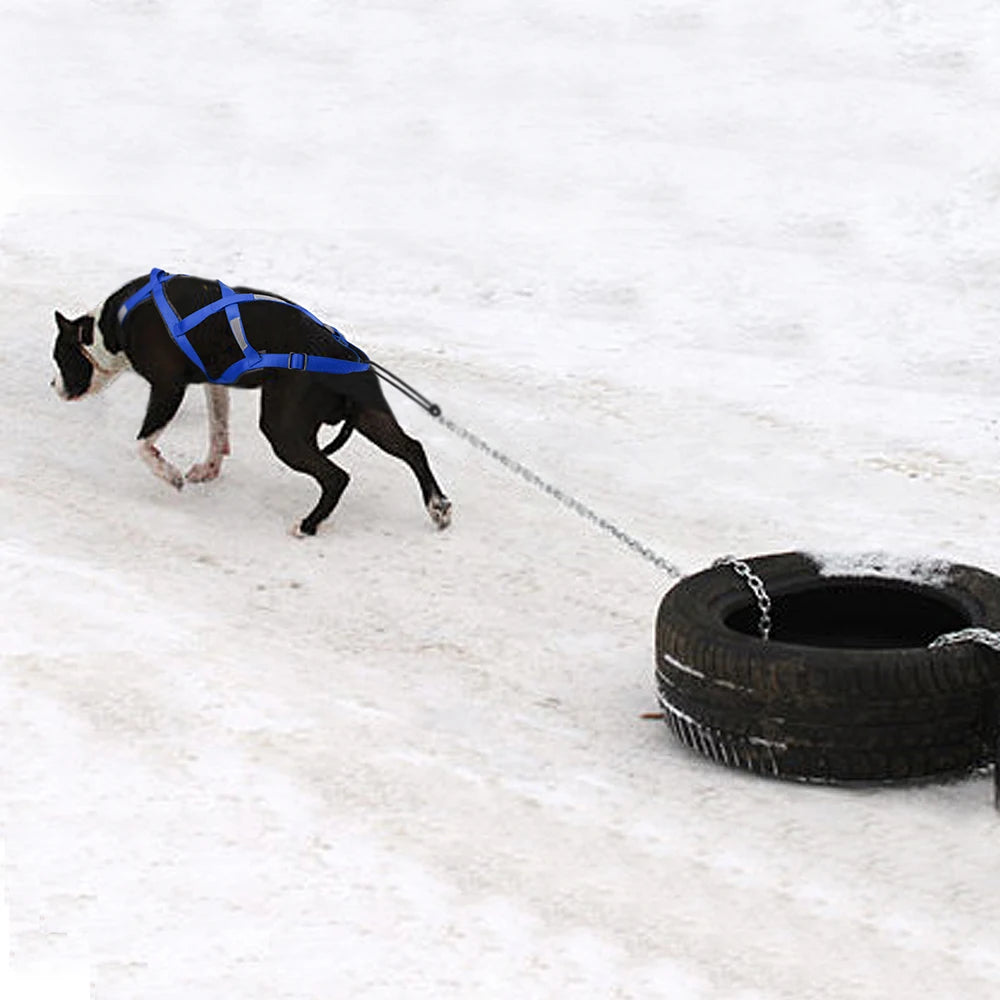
[81, 330]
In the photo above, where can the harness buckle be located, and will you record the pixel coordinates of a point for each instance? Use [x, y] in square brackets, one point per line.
[297, 362]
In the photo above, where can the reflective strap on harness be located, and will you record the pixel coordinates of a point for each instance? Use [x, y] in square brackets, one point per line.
[230, 302]
[312, 363]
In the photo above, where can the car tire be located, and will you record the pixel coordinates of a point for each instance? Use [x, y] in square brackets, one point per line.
[845, 689]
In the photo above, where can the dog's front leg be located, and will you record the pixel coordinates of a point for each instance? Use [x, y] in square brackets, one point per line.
[217, 397]
[163, 404]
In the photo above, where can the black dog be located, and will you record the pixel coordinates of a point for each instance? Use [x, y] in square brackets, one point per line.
[91, 350]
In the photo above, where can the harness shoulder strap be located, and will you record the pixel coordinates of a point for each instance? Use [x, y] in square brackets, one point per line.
[155, 277]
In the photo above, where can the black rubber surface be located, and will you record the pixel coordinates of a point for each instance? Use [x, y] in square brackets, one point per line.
[846, 689]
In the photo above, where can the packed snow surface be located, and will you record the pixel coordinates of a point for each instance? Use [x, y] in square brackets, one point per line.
[888, 565]
[727, 272]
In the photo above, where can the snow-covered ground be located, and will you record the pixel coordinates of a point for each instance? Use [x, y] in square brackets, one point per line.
[728, 272]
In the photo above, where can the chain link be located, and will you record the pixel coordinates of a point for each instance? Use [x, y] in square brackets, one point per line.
[757, 588]
[564, 498]
[984, 636]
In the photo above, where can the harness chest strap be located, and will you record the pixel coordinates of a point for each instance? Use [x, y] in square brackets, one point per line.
[230, 301]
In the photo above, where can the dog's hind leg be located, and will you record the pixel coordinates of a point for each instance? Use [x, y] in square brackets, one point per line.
[164, 401]
[383, 430]
[217, 399]
[294, 442]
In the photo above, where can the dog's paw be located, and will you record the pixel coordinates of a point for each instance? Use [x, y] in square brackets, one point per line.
[298, 530]
[170, 474]
[203, 472]
[440, 511]
[159, 466]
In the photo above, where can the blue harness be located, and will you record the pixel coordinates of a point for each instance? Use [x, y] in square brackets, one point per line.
[252, 359]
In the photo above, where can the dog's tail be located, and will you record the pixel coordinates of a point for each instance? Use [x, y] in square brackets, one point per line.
[341, 439]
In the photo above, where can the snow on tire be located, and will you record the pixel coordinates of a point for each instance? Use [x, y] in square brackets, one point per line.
[845, 689]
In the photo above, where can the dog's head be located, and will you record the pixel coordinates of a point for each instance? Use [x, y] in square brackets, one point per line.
[83, 364]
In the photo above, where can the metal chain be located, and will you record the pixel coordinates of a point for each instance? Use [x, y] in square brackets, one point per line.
[756, 585]
[564, 498]
[525, 473]
[984, 636]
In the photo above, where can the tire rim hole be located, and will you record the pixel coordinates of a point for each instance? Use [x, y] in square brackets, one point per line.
[855, 614]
